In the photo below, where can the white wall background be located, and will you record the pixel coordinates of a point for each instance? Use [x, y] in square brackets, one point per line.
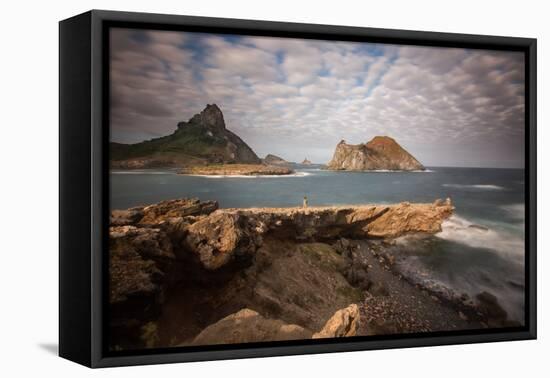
[29, 189]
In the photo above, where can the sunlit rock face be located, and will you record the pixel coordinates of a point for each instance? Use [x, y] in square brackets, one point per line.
[381, 153]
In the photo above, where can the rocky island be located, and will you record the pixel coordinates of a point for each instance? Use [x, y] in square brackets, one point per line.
[381, 153]
[236, 170]
[184, 272]
[202, 145]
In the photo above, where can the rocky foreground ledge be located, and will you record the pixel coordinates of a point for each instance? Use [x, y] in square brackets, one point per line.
[216, 236]
[182, 271]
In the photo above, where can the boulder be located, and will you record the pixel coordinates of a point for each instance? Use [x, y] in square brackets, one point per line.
[342, 324]
[248, 326]
[220, 238]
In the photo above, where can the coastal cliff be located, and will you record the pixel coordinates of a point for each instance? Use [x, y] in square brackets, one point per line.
[293, 270]
[381, 153]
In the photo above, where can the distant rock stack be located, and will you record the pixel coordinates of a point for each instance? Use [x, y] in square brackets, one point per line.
[274, 160]
[381, 153]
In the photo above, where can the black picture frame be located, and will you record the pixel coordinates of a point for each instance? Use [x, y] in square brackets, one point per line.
[84, 190]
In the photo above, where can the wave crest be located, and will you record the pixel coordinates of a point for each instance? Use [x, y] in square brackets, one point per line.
[460, 230]
[476, 186]
[515, 211]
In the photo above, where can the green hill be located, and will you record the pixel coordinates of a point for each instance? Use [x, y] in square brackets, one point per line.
[200, 141]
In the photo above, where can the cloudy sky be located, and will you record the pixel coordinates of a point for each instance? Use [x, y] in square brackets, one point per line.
[298, 98]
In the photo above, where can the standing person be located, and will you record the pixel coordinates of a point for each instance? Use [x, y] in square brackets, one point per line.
[305, 201]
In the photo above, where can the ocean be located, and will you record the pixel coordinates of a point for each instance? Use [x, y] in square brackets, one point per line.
[481, 247]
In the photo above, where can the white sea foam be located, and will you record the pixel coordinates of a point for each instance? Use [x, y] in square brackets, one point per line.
[398, 171]
[516, 211]
[460, 230]
[477, 186]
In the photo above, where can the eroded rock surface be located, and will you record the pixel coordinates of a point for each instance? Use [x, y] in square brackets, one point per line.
[238, 232]
[275, 261]
[138, 258]
[248, 326]
[220, 237]
[342, 324]
[162, 211]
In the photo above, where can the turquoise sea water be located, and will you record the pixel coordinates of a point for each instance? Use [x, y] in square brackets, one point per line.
[462, 258]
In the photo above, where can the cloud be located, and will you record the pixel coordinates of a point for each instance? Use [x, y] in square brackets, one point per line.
[453, 97]
[295, 97]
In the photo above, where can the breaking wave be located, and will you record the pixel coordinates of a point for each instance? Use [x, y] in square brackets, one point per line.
[460, 230]
[515, 211]
[399, 171]
[478, 186]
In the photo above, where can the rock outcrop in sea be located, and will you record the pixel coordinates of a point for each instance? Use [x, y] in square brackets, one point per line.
[202, 140]
[381, 153]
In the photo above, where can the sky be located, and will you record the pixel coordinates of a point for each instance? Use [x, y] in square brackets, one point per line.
[298, 98]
